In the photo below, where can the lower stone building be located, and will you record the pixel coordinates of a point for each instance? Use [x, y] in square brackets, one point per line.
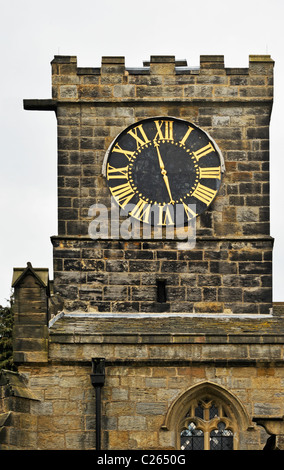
[158, 377]
[153, 343]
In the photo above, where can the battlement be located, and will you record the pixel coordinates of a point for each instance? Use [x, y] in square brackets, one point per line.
[162, 78]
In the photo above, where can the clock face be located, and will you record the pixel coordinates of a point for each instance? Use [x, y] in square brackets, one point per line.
[168, 169]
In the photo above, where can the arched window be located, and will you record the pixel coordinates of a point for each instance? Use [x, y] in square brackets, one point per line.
[207, 426]
[206, 416]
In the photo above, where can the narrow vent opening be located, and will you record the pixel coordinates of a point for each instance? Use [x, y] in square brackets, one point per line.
[161, 291]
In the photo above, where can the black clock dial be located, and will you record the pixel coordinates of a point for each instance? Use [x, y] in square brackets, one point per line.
[145, 172]
[160, 164]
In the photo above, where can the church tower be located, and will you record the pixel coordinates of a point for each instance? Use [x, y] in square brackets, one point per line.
[158, 330]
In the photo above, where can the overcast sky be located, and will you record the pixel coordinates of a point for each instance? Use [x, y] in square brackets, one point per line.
[33, 31]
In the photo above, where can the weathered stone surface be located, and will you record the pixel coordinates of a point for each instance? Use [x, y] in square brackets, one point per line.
[213, 328]
[193, 278]
[31, 291]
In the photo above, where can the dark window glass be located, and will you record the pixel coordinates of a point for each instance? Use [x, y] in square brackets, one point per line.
[192, 438]
[221, 438]
[199, 411]
[213, 412]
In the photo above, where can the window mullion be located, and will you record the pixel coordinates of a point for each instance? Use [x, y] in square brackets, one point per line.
[206, 440]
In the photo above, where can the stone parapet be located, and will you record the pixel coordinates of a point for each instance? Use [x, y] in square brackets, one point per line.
[162, 78]
[176, 339]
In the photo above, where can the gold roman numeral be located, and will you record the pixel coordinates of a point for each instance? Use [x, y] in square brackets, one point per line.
[165, 217]
[123, 192]
[186, 135]
[203, 151]
[143, 139]
[212, 172]
[127, 153]
[116, 173]
[164, 130]
[204, 194]
[141, 212]
[189, 212]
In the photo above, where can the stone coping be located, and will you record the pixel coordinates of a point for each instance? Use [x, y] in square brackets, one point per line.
[167, 328]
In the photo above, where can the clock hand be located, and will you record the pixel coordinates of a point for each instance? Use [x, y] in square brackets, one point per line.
[159, 156]
[164, 173]
[166, 180]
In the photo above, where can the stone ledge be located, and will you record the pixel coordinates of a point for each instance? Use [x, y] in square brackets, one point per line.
[126, 339]
[273, 425]
[176, 328]
[40, 104]
[164, 240]
[198, 352]
[52, 104]
[171, 362]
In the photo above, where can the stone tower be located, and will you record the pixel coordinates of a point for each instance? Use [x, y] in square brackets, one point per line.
[149, 343]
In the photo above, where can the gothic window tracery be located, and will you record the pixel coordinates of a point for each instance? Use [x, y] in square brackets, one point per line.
[207, 426]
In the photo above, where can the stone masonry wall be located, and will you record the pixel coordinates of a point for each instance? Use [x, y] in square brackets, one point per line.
[134, 404]
[233, 105]
[115, 276]
[150, 363]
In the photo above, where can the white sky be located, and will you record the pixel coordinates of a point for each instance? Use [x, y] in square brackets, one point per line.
[33, 31]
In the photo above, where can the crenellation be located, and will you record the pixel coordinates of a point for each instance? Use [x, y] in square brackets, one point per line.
[113, 81]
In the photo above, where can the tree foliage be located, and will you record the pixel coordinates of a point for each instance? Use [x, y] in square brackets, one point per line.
[6, 340]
